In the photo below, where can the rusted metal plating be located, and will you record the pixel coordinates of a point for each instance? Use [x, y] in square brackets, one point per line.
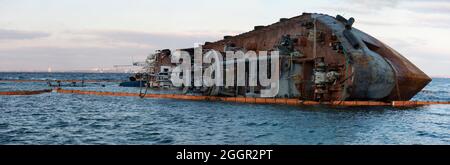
[324, 58]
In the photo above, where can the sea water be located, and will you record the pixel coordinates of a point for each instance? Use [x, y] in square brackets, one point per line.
[54, 118]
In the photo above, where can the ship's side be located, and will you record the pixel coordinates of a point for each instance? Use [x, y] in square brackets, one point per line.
[325, 58]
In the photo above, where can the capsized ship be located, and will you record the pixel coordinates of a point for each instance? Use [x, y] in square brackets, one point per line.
[322, 58]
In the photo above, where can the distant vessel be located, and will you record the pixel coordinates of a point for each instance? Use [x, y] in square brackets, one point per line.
[322, 58]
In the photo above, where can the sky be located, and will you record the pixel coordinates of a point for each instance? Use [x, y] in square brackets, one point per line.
[69, 35]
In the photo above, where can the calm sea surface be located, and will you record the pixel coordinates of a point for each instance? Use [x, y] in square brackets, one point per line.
[54, 118]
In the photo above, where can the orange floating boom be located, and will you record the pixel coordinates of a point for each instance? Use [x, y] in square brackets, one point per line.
[25, 92]
[87, 81]
[250, 100]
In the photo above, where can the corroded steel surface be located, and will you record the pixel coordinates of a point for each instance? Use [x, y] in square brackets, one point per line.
[365, 68]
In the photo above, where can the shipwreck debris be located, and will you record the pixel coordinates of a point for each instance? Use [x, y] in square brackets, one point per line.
[323, 58]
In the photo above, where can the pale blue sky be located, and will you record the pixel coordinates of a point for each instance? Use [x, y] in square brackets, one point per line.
[86, 34]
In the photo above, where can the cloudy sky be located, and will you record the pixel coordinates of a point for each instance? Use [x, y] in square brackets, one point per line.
[85, 34]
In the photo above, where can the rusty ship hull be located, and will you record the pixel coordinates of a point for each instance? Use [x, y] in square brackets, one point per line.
[324, 58]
